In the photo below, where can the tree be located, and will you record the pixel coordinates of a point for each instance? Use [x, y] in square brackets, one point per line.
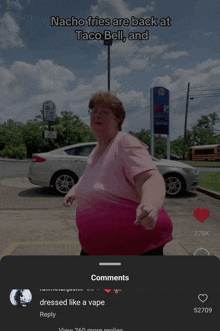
[177, 145]
[33, 138]
[203, 133]
[11, 140]
[22, 140]
[160, 142]
[208, 121]
[71, 130]
[160, 146]
[143, 135]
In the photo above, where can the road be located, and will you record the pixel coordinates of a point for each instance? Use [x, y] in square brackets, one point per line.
[33, 221]
[201, 169]
[12, 168]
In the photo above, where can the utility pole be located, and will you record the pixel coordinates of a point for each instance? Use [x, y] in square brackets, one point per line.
[187, 106]
[108, 43]
[109, 66]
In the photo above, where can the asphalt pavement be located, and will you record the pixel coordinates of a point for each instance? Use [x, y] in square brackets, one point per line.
[33, 221]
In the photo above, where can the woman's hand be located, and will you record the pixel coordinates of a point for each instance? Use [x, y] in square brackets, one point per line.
[69, 198]
[147, 216]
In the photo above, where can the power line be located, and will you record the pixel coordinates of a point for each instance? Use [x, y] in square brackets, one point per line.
[207, 96]
[194, 87]
[183, 90]
[144, 103]
[205, 85]
[209, 89]
[179, 91]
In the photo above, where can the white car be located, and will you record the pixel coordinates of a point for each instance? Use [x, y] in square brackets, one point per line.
[62, 168]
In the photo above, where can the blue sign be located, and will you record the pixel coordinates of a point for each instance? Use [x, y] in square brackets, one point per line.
[161, 110]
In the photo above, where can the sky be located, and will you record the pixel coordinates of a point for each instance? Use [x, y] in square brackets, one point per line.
[40, 62]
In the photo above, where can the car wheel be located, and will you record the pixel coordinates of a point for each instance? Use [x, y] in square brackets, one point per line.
[63, 181]
[175, 185]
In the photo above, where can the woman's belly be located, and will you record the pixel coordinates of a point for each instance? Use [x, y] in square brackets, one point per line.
[109, 229]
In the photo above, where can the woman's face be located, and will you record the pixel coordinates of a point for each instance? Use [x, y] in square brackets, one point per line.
[103, 119]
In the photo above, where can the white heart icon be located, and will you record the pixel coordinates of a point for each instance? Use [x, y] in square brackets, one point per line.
[202, 297]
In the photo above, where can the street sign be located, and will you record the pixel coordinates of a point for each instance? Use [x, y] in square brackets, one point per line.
[50, 134]
[160, 109]
[160, 115]
[49, 111]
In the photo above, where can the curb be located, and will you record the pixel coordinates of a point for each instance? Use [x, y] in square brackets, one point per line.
[212, 194]
[2, 159]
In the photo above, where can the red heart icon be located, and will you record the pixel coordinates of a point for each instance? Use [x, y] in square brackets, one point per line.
[201, 214]
[107, 290]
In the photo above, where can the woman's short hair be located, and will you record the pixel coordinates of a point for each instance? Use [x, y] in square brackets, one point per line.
[111, 100]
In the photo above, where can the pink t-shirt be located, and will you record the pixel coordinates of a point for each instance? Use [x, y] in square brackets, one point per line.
[107, 202]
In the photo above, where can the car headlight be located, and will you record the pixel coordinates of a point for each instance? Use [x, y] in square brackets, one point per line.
[191, 171]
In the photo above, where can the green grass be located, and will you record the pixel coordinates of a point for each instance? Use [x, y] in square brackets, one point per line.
[203, 163]
[210, 180]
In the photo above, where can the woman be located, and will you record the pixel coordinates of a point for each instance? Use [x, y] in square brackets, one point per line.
[121, 193]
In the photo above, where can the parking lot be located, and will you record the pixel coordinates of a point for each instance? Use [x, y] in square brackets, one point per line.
[33, 221]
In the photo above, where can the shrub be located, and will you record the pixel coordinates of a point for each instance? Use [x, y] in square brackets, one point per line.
[16, 152]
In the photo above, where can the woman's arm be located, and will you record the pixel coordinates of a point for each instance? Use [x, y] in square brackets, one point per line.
[70, 196]
[151, 188]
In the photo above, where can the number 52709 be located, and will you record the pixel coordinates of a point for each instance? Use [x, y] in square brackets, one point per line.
[202, 310]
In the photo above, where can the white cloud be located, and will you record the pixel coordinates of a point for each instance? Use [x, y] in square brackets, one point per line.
[44, 77]
[140, 64]
[207, 34]
[99, 83]
[24, 87]
[164, 81]
[131, 52]
[154, 50]
[9, 31]
[119, 71]
[174, 55]
[131, 97]
[6, 77]
[118, 9]
[140, 56]
[13, 5]
[196, 76]
[208, 64]
[120, 50]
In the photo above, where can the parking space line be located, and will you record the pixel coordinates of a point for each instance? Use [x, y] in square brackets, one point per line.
[11, 247]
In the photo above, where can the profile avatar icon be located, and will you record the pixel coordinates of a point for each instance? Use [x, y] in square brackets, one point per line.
[20, 297]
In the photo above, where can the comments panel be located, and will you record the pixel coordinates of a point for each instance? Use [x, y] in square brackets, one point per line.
[119, 293]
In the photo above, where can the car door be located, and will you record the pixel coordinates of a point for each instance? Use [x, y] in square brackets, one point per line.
[77, 157]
